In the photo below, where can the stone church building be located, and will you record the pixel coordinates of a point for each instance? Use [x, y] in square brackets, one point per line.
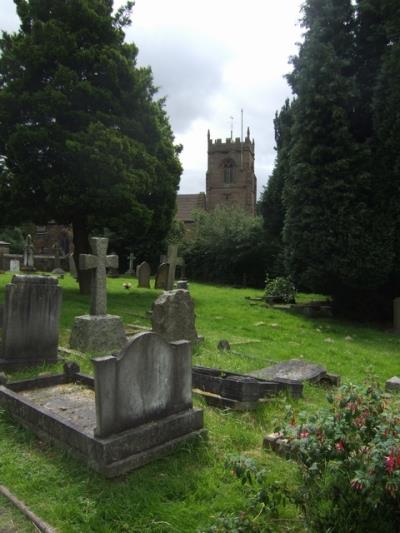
[230, 179]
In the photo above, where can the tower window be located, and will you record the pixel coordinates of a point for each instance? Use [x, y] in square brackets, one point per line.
[228, 171]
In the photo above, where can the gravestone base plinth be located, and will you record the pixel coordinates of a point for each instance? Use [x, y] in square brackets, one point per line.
[98, 334]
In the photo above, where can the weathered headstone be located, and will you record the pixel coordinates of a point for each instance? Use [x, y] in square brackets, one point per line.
[396, 315]
[173, 316]
[173, 261]
[182, 284]
[14, 265]
[98, 331]
[161, 279]
[130, 271]
[143, 274]
[28, 262]
[30, 324]
[148, 380]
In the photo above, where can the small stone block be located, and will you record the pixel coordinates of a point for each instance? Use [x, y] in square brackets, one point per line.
[393, 384]
[223, 345]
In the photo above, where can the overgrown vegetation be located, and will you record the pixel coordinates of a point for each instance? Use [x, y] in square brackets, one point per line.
[350, 461]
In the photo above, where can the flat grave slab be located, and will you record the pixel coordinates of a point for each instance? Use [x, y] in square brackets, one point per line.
[297, 370]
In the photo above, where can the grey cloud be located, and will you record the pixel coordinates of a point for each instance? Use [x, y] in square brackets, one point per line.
[186, 73]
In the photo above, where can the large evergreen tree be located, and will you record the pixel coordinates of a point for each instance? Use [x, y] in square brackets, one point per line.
[82, 139]
[337, 239]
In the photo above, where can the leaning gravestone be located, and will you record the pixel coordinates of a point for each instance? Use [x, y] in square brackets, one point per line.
[30, 323]
[143, 275]
[161, 280]
[173, 316]
[396, 315]
[98, 332]
[14, 265]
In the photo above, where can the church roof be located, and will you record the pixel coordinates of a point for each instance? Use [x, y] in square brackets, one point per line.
[187, 203]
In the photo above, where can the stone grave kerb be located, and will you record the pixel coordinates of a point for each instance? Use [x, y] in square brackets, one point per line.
[97, 262]
[173, 261]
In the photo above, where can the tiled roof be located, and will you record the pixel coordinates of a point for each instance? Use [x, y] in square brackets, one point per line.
[187, 203]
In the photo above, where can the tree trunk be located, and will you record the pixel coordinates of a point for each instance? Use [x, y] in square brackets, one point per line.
[81, 246]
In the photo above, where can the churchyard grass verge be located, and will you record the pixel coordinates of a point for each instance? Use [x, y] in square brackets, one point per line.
[192, 489]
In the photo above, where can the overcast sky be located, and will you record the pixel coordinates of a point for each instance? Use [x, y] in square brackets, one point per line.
[212, 59]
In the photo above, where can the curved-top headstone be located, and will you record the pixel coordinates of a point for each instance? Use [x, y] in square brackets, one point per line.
[148, 380]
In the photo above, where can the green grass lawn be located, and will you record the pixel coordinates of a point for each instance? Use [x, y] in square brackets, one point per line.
[185, 491]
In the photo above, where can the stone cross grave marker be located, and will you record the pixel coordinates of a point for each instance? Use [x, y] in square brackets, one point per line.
[98, 262]
[173, 260]
[130, 271]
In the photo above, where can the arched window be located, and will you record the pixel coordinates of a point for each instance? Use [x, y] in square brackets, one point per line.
[229, 166]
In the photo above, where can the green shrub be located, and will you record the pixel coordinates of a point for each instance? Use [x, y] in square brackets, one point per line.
[227, 245]
[350, 462]
[279, 290]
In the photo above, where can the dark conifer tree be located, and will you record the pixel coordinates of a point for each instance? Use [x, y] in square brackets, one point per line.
[82, 139]
[335, 240]
[271, 205]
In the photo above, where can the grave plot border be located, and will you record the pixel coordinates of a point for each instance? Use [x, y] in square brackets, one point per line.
[111, 456]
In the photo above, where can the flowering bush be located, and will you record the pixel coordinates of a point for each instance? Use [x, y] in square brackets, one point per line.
[350, 462]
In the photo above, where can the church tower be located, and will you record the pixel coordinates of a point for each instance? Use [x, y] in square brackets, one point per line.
[230, 178]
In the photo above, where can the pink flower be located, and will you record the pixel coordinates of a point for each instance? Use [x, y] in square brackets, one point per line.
[303, 434]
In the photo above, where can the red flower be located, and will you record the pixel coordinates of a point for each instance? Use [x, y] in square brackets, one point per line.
[340, 446]
[357, 485]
